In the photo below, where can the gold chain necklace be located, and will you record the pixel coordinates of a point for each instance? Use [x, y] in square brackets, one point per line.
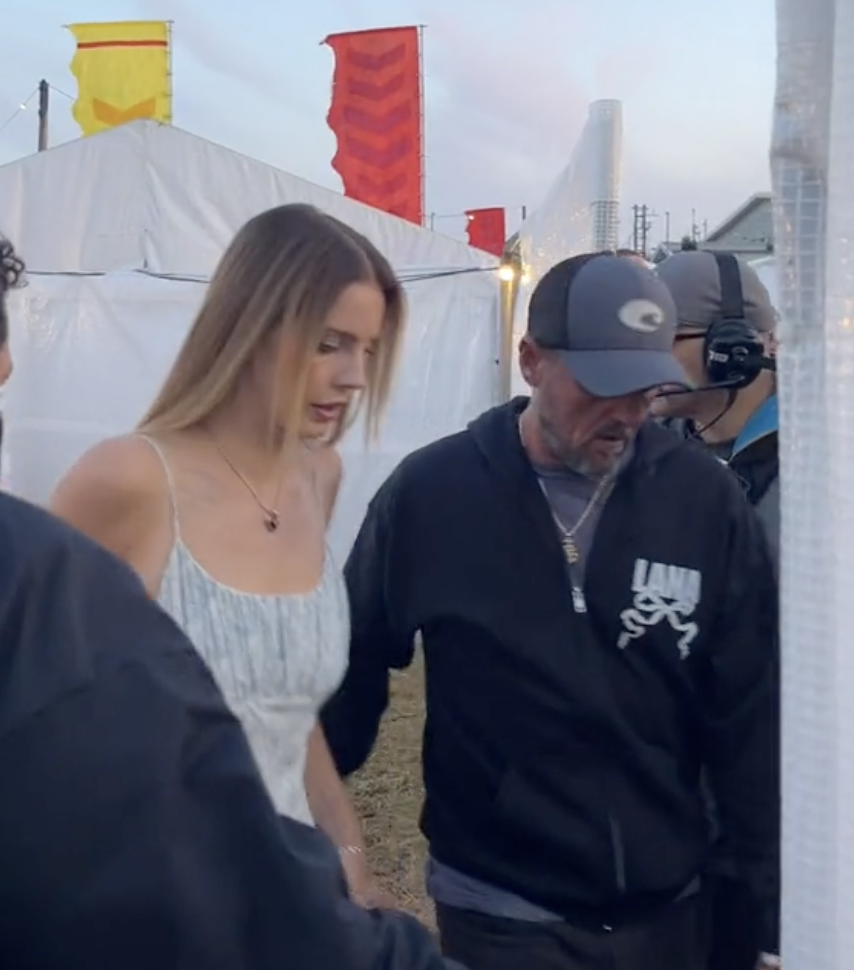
[567, 536]
[271, 515]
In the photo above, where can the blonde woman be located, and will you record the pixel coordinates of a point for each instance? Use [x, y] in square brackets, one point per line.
[222, 499]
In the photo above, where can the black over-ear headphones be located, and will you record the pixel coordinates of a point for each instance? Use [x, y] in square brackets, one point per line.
[733, 352]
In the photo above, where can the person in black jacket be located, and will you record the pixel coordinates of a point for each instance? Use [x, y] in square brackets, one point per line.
[726, 342]
[597, 608]
[135, 830]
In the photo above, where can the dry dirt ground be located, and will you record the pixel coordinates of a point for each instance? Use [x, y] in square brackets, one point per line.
[388, 795]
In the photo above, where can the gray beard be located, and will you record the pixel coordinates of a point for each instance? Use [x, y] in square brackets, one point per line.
[568, 457]
[577, 463]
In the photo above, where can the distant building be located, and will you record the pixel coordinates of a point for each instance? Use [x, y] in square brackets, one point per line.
[748, 232]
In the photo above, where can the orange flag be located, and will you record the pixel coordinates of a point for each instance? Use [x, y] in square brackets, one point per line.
[487, 230]
[376, 115]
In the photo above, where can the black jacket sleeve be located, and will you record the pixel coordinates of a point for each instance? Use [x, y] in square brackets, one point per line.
[743, 718]
[135, 831]
[380, 640]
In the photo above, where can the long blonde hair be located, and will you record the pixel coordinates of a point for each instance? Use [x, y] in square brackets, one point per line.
[284, 269]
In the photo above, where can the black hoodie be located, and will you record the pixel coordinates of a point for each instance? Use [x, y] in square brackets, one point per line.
[135, 831]
[563, 751]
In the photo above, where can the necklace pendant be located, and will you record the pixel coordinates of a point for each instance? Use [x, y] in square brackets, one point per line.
[271, 521]
[570, 550]
[579, 603]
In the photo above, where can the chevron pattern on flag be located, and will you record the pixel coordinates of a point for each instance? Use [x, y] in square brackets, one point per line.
[376, 117]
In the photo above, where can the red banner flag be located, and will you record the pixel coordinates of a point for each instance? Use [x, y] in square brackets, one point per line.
[487, 230]
[376, 116]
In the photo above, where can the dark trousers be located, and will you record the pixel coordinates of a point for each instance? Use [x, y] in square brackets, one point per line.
[674, 938]
[734, 941]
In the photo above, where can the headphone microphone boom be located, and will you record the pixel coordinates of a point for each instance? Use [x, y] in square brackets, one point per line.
[733, 352]
[737, 382]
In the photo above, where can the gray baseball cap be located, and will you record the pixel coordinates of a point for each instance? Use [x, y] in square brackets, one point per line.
[613, 322]
[694, 280]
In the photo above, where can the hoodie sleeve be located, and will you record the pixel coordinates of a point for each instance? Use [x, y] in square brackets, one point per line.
[743, 725]
[380, 640]
[135, 831]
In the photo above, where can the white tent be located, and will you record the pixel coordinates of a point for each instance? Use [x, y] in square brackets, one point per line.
[121, 231]
[766, 270]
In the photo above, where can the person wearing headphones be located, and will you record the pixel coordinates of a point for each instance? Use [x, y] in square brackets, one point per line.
[726, 344]
[725, 341]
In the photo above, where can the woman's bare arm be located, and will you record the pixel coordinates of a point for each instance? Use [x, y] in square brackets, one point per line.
[333, 812]
[328, 797]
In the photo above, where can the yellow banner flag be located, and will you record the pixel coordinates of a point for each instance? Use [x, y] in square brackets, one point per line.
[123, 74]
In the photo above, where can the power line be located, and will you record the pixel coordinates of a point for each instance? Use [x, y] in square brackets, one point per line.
[22, 107]
[19, 110]
[65, 94]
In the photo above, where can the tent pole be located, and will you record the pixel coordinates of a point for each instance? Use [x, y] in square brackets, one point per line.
[509, 295]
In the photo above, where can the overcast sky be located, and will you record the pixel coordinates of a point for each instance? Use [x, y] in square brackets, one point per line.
[507, 88]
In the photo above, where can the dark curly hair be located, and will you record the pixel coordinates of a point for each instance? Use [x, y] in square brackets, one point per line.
[11, 275]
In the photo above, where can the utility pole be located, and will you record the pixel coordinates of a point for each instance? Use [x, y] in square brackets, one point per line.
[641, 226]
[44, 106]
[646, 225]
[667, 227]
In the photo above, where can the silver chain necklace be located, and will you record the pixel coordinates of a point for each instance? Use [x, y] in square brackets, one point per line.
[271, 515]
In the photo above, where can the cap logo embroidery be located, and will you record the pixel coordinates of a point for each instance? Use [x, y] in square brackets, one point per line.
[642, 316]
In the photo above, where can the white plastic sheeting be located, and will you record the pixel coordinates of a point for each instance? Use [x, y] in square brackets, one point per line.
[812, 160]
[91, 352]
[121, 231]
[578, 213]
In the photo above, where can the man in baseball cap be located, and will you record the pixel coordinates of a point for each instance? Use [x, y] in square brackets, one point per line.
[599, 344]
[612, 322]
[565, 560]
[725, 341]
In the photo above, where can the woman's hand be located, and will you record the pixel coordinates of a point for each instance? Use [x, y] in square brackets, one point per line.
[364, 888]
[373, 896]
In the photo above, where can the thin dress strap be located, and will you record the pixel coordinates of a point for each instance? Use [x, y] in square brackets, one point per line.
[170, 485]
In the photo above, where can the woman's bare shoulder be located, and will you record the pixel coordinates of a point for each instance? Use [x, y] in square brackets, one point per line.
[113, 493]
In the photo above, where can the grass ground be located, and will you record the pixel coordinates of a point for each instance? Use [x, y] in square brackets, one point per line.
[388, 794]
